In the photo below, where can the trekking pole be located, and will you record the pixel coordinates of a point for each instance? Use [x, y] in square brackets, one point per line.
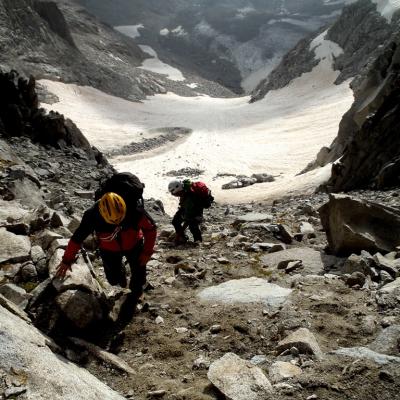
[85, 256]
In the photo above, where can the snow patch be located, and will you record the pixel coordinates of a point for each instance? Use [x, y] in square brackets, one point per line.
[130, 30]
[179, 31]
[154, 64]
[325, 49]
[192, 85]
[164, 32]
[387, 8]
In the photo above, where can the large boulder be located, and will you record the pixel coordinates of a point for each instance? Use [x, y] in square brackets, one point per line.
[353, 225]
[248, 290]
[238, 379]
[13, 248]
[45, 375]
[313, 261]
[368, 142]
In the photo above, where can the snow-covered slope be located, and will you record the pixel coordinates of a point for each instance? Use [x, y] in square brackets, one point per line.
[229, 136]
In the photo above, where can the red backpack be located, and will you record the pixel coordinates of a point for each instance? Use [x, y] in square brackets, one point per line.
[202, 191]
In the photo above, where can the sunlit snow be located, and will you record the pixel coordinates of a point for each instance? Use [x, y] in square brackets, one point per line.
[154, 64]
[278, 135]
[130, 30]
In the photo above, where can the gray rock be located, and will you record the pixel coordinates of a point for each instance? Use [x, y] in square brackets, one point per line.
[79, 276]
[57, 244]
[390, 266]
[85, 194]
[365, 353]
[313, 261]
[14, 293]
[303, 340]
[11, 209]
[388, 341]
[26, 191]
[248, 290]
[385, 277]
[252, 217]
[81, 308]
[353, 225]
[56, 221]
[356, 263]
[306, 228]
[28, 272]
[238, 379]
[48, 375]
[389, 295]
[37, 253]
[46, 237]
[356, 278]
[281, 370]
[290, 265]
[13, 248]
[10, 270]
[271, 247]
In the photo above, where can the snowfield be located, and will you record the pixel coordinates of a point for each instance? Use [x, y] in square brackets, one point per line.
[279, 135]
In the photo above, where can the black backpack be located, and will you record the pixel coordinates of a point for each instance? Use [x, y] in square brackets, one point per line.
[127, 185]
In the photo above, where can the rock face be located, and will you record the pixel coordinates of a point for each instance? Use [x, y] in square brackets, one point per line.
[368, 135]
[353, 225]
[359, 31]
[45, 375]
[21, 116]
[61, 41]
[223, 41]
[294, 63]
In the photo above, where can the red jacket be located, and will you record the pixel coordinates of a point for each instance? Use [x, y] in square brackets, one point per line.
[122, 238]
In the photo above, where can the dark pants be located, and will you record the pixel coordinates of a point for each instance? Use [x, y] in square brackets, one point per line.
[180, 225]
[116, 273]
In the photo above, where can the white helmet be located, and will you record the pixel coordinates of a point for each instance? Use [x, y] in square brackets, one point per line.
[175, 187]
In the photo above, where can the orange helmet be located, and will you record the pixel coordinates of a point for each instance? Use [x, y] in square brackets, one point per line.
[112, 208]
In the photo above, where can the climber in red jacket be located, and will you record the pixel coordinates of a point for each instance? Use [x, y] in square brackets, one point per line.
[120, 231]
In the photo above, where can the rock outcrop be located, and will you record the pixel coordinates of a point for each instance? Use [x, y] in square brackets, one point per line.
[368, 141]
[60, 40]
[360, 31]
[352, 225]
[27, 360]
[20, 115]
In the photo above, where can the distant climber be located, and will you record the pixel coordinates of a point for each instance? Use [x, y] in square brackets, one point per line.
[123, 228]
[194, 197]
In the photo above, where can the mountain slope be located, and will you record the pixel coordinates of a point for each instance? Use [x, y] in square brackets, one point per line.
[360, 31]
[60, 40]
[369, 139]
[232, 42]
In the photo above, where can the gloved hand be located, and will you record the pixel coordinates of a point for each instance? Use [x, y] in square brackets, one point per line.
[62, 269]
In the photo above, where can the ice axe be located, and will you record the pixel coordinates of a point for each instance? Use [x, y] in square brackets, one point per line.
[86, 258]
